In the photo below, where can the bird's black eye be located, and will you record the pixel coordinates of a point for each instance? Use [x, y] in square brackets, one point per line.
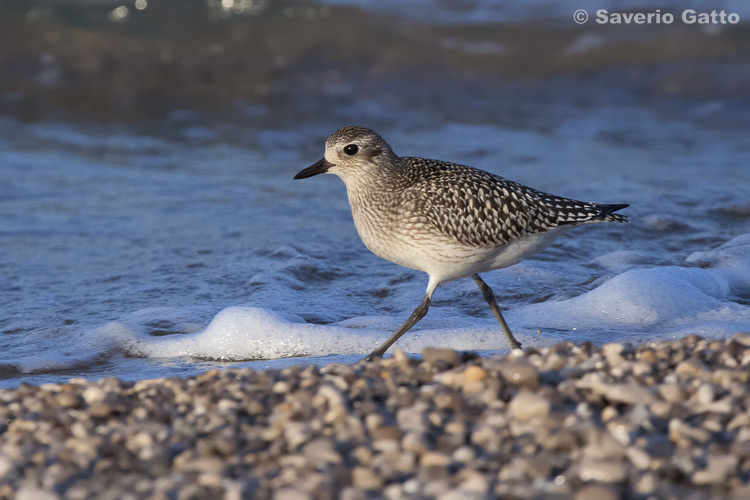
[351, 149]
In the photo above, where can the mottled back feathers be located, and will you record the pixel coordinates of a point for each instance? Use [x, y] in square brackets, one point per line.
[481, 209]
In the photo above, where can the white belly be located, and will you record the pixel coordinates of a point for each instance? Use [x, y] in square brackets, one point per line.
[443, 258]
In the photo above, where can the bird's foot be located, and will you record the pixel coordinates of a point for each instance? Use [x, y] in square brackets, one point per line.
[512, 342]
[374, 355]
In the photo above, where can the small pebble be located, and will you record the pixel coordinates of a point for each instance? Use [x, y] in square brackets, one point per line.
[597, 492]
[613, 353]
[626, 393]
[434, 459]
[93, 395]
[366, 478]
[742, 338]
[690, 368]
[520, 372]
[448, 357]
[31, 493]
[603, 471]
[705, 394]
[291, 494]
[527, 406]
[717, 471]
[473, 379]
[672, 392]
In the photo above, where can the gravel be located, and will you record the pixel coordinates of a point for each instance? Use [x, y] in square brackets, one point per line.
[666, 420]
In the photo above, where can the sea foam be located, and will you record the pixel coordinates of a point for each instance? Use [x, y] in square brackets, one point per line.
[640, 304]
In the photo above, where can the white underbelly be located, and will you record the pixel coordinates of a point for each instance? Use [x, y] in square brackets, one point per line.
[524, 247]
[444, 259]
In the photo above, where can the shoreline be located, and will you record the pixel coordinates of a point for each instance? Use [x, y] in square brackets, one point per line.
[659, 420]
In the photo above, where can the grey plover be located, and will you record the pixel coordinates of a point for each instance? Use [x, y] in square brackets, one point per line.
[448, 220]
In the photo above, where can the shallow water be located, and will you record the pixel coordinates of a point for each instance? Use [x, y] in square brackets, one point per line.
[163, 247]
[142, 256]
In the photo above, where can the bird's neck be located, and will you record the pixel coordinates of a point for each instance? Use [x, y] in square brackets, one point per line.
[373, 180]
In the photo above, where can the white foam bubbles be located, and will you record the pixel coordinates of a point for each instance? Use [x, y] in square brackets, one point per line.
[250, 333]
[640, 304]
[659, 302]
[732, 258]
[642, 297]
[244, 333]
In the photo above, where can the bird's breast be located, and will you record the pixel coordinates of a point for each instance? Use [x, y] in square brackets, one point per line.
[395, 230]
[381, 226]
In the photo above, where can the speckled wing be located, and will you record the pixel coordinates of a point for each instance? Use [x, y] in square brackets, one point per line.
[478, 208]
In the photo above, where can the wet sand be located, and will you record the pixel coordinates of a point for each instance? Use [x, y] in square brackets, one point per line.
[661, 420]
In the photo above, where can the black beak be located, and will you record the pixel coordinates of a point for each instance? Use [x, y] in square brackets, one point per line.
[319, 167]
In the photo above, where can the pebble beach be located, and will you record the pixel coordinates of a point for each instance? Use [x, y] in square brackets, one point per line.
[657, 421]
[152, 233]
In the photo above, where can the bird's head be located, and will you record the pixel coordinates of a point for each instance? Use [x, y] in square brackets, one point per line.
[353, 153]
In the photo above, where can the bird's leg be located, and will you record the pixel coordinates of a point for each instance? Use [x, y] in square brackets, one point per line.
[418, 314]
[489, 297]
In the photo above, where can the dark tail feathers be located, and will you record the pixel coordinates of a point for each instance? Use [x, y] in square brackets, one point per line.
[608, 214]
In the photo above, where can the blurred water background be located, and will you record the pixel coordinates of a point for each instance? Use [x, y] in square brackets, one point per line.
[150, 226]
